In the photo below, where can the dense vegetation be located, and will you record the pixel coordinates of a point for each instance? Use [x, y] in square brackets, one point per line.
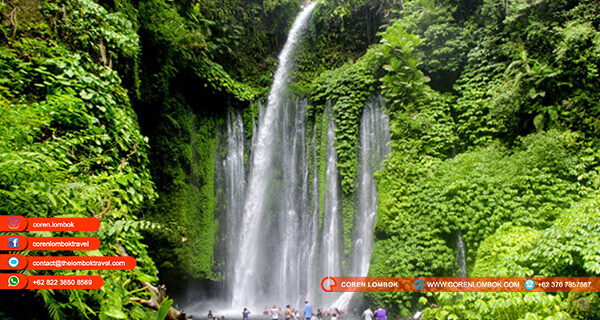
[72, 73]
[494, 137]
[199, 58]
[494, 120]
[71, 146]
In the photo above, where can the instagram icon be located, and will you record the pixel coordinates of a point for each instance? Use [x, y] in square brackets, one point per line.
[13, 223]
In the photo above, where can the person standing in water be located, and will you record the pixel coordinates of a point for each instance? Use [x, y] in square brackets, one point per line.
[380, 313]
[307, 310]
[245, 314]
[210, 315]
[288, 312]
[367, 315]
[275, 313]
[296, 314]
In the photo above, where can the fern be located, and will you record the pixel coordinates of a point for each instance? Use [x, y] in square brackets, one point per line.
[53, 306]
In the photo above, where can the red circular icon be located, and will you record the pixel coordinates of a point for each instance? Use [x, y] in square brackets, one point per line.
[331, 286]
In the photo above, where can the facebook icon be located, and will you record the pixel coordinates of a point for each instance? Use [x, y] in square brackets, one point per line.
[13, 242]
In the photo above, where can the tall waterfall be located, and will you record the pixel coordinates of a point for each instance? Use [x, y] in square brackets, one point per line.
[272, 220]
[283, 200]
[373, 148]
[296, 244]
[235, 185]
[331, 243]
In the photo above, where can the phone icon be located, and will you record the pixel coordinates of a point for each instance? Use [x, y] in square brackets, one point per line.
[13, 281]
[529, 284]
[13, 223]
[13, 242]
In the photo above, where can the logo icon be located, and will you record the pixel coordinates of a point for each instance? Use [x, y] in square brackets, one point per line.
[13, 281]
[331, 286]
[529, 284]
[13, 262]
[13, 242]
[13, 223]
[419, 284]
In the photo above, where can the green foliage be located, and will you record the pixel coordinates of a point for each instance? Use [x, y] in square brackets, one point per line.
[321, 162]
[250, 118]
[497, 305]
[403, 84]
[421, 117]
[179, 45]
[163, 311]
[571, 245]
[246, 35]
[504, 153]
[519, 78]
[347, 88]
[214, 74]
[71, 146]
[498, 156]
[348, 211]
[186, 188]
[567, 248]
[577, 56]
[499, 254]
[426, 128]
[91, 28]
[444, 41]
[424, 201]
[340, 32]
[110, 38]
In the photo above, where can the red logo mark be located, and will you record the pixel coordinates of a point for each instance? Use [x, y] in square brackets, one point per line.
[331, 286]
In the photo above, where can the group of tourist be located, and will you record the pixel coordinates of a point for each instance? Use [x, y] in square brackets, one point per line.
[211, 317]
[379, 314]
[290, 314]
[308, 314]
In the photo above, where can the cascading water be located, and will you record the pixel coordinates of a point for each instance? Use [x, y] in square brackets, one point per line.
[235, 185]
[283, 212]
[461, 261]
[292, 252]
[308, 258]
[331, 248]
[268, 218]
[292, 200]
[373, 148]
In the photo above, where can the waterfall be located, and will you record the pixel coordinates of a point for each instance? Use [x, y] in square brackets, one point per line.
[461, 261]
[309, 258]
[280, 200]
[331, 247]
[235, 184]
[271, 221]
[373, 148]
[292, 201]
[283, 210]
